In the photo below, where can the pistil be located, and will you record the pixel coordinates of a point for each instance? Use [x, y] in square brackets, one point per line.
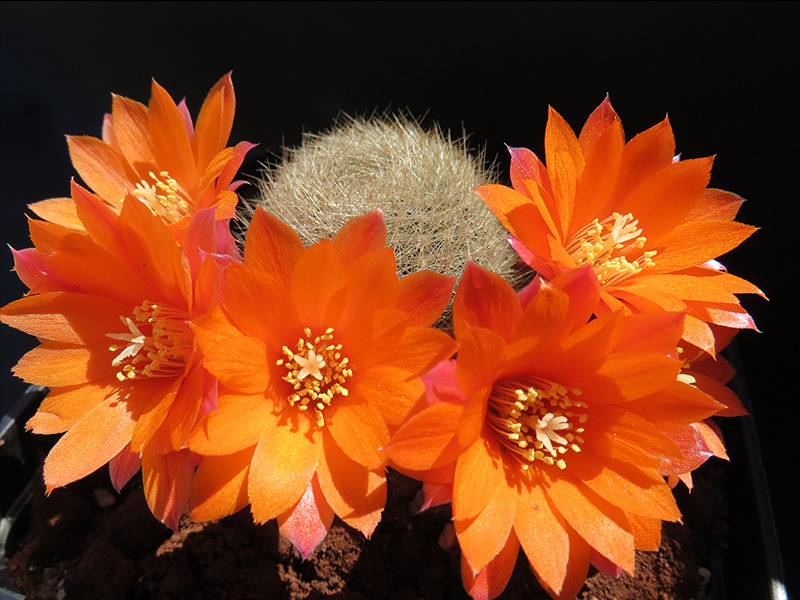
[609, 245]
[536, 420]
[317, 372]
[158, 343]
[164, 197]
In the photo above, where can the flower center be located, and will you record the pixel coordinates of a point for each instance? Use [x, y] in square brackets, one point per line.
[604, 245]
[535, 420]
[317, 372]
[164, 197]
[158, 343]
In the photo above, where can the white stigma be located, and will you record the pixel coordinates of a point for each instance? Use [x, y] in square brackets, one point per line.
[546, 430]
[135, 339]
[310, 366]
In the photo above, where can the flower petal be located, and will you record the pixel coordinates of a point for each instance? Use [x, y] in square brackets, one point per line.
[565, 164]
[219, 488]
[308, 522]
[542, 535]
[283, 463]
[502, 200]
[484, 536]
[676, 405]
[603, 526]
[214, 122]
[420, 349]
[359, 430]
[65, 317]
[257, 307]
[272, 246]
[239, 363]
[599, 177]
[372, 286]
[643, 156]
[493, 578]
[479, 472]
[101, 167]
[359, 236]
[131, 133]
[65, 406]
[170, 139]
[636, 490]
[89, 444]
[55, 365]
[57, 210]
[390, 391]
[691, 244]
[167, 479]
[156, 254]
[318, 286]
[678, 186]
[235, 425]
[427, 440]
[123, 467]
[525, 165]
[356, 494]
[716, 204]
[577, 569]
[637, 374]
[423, 296]
[485, 300]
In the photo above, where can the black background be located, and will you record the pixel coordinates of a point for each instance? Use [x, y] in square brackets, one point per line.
[724, 72]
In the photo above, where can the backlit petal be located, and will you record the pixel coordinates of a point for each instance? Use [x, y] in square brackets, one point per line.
[283, 463]
[360, 235]
[308, 522]
[89, 444]
[356, 494]
[493, 578]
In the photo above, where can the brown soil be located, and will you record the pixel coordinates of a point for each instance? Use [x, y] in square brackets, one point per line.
[78, 548]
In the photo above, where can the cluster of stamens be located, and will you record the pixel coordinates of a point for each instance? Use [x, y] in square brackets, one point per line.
[536, 420]
[164, 197]
[158, 343]
[605, 245]
[317, 372]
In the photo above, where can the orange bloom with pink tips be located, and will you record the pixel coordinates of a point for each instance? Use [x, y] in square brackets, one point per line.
[318, 352]
[156, 154]
[645, 222]
[553, 433]
[112, 307]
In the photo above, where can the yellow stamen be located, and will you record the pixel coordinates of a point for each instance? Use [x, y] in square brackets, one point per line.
[164, 197]
[158, 343]
[534, 420]
[317, 372]
[609, 245]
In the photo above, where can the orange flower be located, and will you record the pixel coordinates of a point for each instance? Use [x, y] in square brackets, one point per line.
[553, 433]
[113, 315]
[319, 351]
[156, 155]
[642, 219]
